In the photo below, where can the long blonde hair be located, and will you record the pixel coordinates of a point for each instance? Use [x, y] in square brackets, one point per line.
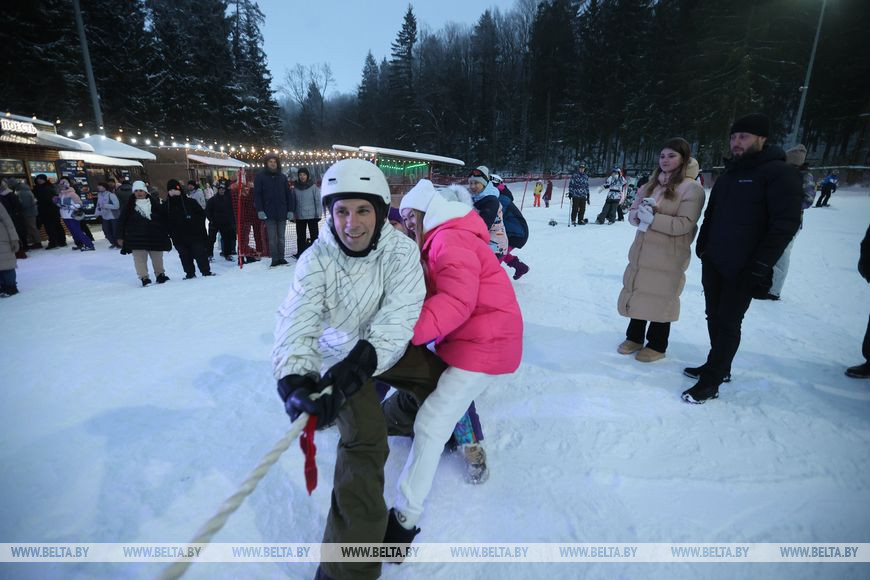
[681, 146]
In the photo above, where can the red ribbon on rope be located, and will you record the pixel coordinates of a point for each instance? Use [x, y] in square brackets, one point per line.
[306, 443]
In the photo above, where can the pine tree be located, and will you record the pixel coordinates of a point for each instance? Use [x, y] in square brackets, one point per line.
[401, 93]
[42, 61]
[254, 111]
[369, 98]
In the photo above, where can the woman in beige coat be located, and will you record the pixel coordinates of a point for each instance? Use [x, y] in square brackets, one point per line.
[666, 214]
[9, 245]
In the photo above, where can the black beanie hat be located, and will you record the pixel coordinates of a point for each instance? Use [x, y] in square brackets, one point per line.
[173, 184]
[756, 123]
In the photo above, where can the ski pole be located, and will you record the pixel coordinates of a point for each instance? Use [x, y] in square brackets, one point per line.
[232, 503]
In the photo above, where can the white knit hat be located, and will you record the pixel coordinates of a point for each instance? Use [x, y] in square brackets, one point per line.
[140, 186]
[419, 196]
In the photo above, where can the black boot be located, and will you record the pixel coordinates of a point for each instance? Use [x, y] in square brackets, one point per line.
[396, 533]
[162, 277]
[859, 371]
[695, 373]
[700, 393]
[146, 280]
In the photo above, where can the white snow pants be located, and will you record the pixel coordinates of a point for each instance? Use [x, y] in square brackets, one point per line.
[780, 269]
[434, 423]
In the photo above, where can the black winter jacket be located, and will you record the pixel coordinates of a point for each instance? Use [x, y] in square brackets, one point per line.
[864, 259]
[753, 213]
[185, 218]
[272, 194]
[45, 200]
[140, 233]
[219, 210]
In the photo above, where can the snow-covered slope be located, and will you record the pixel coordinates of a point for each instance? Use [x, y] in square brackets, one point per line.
[130, 413]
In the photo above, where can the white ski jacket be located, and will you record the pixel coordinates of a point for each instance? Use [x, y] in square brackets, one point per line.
[336, 300]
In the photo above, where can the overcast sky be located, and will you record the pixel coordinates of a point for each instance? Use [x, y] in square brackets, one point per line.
[341, 33]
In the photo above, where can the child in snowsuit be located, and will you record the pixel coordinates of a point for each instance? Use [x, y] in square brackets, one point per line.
[539, 187]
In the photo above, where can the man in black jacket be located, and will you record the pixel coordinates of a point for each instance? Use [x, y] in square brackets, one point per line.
[221, 219]
[275, 205]
[186, 221]
[862, 371]
[753, 213]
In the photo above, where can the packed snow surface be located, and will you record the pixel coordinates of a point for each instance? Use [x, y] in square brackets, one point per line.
[129, 414]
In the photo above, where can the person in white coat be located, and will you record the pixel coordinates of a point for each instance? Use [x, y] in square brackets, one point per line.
[349, 316]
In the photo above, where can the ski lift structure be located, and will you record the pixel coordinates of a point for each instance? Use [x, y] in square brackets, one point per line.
[404, 169]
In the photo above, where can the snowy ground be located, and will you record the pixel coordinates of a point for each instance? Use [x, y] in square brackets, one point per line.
[129, 414]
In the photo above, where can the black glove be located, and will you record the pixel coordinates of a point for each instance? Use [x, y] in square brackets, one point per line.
[758, 278]
[357, 367]
[295, 391]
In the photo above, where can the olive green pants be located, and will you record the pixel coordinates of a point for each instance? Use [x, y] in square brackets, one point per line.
[358, 513]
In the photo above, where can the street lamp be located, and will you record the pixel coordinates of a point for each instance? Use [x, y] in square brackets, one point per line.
[804, 89]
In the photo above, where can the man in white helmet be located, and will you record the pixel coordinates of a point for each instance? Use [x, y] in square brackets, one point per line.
[349, 316]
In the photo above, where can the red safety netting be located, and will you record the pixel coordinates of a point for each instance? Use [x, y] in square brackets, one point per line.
[253, 243]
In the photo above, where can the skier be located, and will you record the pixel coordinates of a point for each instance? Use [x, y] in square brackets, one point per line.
[578, 192]
[614, 186]
[539, 187]
[829, 186]
[753, 213]
[348, 317]
[472, 315]
[666, 214]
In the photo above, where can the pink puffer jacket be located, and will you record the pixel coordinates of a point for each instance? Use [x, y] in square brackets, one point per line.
[471, 311]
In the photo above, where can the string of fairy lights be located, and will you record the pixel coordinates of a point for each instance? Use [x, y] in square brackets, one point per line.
[244, 152]
[146, 139]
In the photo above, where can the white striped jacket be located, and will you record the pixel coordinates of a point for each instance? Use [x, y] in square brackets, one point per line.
[336, 300]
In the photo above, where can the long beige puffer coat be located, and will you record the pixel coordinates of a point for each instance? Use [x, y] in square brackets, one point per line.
[7, 236]
[658, 258]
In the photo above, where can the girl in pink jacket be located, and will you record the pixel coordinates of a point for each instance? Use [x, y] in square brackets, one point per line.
[471, 314]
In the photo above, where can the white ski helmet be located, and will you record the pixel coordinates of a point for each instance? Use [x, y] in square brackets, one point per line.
[352, 179]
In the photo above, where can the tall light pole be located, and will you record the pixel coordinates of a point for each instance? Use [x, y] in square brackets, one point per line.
[92, 85]
[806, 86]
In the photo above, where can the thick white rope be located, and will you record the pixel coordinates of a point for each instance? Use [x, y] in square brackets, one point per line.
[232, 503]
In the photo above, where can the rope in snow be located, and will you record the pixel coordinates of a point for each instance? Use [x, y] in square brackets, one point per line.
[232, 503]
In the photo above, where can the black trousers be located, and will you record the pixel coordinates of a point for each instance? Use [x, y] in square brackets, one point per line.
[656, 335]
[825, 195]
[865, 348]
[53, 226]
[301, 239]
[578, 209]
[228, 238]
[608, 212]
[190, 251]
[727, 301]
